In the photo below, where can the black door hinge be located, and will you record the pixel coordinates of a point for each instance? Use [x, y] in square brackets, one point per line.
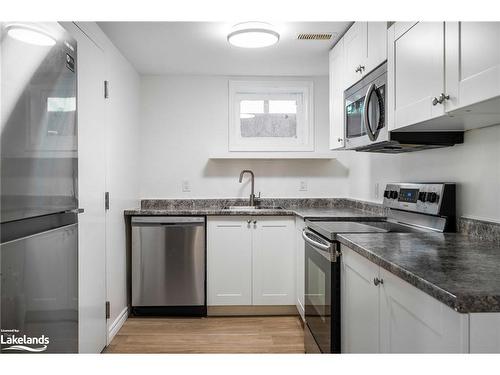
[106, 200]
[108, 310]
[106, 89]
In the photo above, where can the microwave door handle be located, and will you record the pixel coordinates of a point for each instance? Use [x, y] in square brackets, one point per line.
[366, 118]
[381, 107]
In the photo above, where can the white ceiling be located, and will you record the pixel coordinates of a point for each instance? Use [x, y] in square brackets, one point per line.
[202, 48]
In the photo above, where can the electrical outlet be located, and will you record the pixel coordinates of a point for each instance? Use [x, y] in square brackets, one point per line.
[186, 186]
[303, 185]
[377, 190]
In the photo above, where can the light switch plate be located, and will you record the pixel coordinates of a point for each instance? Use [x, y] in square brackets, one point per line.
[186, 186]
[303, 185]
[377, 190]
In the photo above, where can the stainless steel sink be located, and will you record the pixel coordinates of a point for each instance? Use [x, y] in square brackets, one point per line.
[251, 208]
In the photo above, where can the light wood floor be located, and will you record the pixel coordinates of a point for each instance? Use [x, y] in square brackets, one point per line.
[259, 334]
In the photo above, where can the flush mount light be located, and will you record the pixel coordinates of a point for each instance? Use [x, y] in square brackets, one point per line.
[253, 35]
[31, 35]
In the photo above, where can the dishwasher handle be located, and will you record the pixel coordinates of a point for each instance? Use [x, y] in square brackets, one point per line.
[167, 220]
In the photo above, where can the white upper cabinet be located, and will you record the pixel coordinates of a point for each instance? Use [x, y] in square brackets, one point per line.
[337, 96]
[376, 45]
[354, 53]
[472, 62]
[365, 47]
[416, 73]
[229, 261]
[273, 261]
[443, 75]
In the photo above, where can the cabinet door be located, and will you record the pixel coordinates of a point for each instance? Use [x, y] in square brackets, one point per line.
[359, 304]
[337, 96]
[416, 73]
[273, 261]
[229, 261]
[472, 62]
[414, 322]
[299, 263]
[376, 45]
[354, 52]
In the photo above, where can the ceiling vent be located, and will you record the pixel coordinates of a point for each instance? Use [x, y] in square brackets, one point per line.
[315, 36]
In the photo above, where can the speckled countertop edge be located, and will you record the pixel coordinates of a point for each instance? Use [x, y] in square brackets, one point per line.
[460, 303]
[324, 208]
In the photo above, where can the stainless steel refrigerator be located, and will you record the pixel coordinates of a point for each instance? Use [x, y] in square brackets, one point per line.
[39, 189]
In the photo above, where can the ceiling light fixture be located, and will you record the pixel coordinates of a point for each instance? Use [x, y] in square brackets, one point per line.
[30, 35]
[253, 35]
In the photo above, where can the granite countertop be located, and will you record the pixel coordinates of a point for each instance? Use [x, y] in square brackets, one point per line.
[459, 270]
[330, 213]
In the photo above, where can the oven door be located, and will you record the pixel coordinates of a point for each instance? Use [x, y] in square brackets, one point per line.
[322, 292]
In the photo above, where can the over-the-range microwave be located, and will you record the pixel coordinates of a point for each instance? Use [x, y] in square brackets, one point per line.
[365, 121]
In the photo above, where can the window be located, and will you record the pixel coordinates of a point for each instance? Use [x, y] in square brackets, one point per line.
[270, 116]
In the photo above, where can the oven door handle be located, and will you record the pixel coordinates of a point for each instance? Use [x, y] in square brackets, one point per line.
[314, 243]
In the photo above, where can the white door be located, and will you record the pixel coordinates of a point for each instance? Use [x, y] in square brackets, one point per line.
[91, 188]
[472, 62]
[359, 304]
[273, 260]
[414, 322]
[354, 53]
[376, 45]
[299, 263]
[229, 261]
[416, 72]
[337, 96]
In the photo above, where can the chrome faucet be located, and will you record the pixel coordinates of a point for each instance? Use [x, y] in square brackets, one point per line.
[252, 195]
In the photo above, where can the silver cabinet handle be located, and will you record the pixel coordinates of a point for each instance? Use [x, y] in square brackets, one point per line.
[441, 99]
[339, 139]
[377, 281]
[255, 221]
[362, 68]
[249, 221]
[358, 69]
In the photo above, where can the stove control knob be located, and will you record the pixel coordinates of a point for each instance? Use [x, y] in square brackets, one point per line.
[393, 194]
[421, 196]
[386, 193]
[432, 197]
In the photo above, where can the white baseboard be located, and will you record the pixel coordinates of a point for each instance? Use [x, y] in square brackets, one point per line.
[117, 324]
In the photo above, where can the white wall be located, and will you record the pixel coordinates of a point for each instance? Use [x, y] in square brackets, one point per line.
[184, 119]
[122, 134]
[473, 165]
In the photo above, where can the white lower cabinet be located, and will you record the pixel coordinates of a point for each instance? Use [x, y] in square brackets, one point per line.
[411, 321]
[273, 261]
[394, 316]
[359, 303]
[250, 260]
[229, 261]
[299, 266]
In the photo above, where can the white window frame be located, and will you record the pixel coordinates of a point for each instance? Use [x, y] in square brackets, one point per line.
[252, 90]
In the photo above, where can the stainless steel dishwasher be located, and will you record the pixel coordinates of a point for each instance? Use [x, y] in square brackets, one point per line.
[168, 265]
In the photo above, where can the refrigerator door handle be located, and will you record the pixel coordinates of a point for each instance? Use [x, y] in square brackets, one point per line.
[75, 211]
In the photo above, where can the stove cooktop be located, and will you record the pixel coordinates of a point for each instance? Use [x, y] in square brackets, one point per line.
[329, 229]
